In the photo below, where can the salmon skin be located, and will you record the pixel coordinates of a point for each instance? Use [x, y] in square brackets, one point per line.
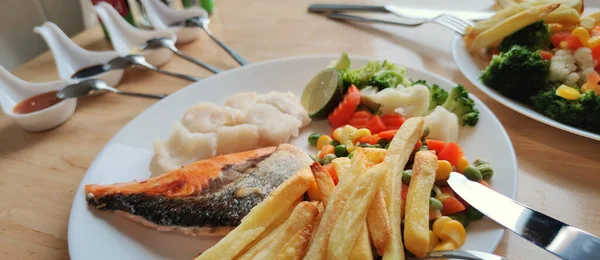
[208, 197]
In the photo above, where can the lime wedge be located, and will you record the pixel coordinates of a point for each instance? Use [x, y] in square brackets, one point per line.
[322, 93]
[342, 63]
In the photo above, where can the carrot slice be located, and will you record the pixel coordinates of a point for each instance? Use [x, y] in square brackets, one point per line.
[360, 122]
[558, 37]
[326, 149]
[393, 121]
[329, 168]
[362, 114]
[343, 112]
[452, 153]
[484, 183]
[435, 145]
[451, 205]
[418, 145]
[546, 55]
[447, 190]
[404, 191]
[371, 139]
[375, 125]
[388, 134]
[593, 77]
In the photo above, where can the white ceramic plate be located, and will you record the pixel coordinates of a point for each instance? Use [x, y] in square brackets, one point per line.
[471, 66]
[104, 235]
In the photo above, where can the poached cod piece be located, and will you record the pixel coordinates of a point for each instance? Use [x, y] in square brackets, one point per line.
[207, 197]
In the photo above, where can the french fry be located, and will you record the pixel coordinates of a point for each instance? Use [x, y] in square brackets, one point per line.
[324, 181]
[273, 227]
[510, 25]
[416, 220]
[301, 217]
[260, 217]
[378, 223]
[317, 221]
[337, 200]
[261, 244]
[577, 5]
[354, 214]
[341, 166]
[296, 247]
[362, 246]
[397, 155]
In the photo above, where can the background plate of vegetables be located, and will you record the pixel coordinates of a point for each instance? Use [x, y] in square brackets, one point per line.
[362, 103]
[541, 60]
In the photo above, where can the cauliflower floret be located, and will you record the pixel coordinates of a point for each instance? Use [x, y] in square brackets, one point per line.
[408, 101]
[562, 65]
[585, 62]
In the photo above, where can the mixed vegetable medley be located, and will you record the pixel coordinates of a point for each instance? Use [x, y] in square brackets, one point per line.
[367, 106]
[550, 64]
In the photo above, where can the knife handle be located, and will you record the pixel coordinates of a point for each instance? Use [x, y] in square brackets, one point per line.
[323, 8]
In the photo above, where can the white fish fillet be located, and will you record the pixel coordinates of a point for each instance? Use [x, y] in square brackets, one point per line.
[205, 117]
[241, 100]
[287, 103]
[232, 139]
[184, 147]
[274, 127]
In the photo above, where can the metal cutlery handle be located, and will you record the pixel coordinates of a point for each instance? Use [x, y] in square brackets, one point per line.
[460, 254]
[172, 74]
[145, 95]
[190, 59]
[355, 18]
[231, 52]
[322, 8]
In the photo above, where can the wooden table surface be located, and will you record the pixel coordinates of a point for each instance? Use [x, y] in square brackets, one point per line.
[558, 171]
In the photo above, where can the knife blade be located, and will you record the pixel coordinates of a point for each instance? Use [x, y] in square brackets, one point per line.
[556, 237]
[404, 12]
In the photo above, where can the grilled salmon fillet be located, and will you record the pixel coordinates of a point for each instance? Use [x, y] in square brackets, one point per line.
[207, 197]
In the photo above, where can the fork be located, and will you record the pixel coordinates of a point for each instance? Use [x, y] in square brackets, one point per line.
[449, 21]
[459, 254]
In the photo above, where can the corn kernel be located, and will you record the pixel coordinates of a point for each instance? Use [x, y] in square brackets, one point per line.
[360, 133]
[439, 223]
[567, 92]
[337, 133]
[593, 42]
[445, 246]
[564, 45]
[443, 171]
[433, 241]
[453, 231]
[462, 164]
[349, 146]
[323, 140]
[582, 34]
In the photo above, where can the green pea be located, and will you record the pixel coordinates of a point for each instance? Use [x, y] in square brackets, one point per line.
[340, 151]
[435, 204]
[312, 138]
[328, 158]
[350, 155]
[313, 158]
[474, 214]
[335, 143]
[461, 217]
[377, 146]
[383, 142]
[486, 171]
[423, 148]
[480, 162]
[472, 173]
[364, 145]
[406, 175]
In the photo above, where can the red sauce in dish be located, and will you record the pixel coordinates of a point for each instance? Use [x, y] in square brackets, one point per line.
[37, 103]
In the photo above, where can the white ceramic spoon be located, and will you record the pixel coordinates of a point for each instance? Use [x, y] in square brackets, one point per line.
[127, 39]
[163, 17]
[70, 58]
[14, 90]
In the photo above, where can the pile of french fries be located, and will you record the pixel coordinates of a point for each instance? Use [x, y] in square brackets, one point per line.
[362, 212]
[560, 15]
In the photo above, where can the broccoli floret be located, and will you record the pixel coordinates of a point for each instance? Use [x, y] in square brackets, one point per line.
[583, 113]
[437, 95]
[379, 74]
[459, 103]
[535, 36]
[518, 73]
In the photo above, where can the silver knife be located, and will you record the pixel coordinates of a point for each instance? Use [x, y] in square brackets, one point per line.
[404, 12]
[556, 237]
